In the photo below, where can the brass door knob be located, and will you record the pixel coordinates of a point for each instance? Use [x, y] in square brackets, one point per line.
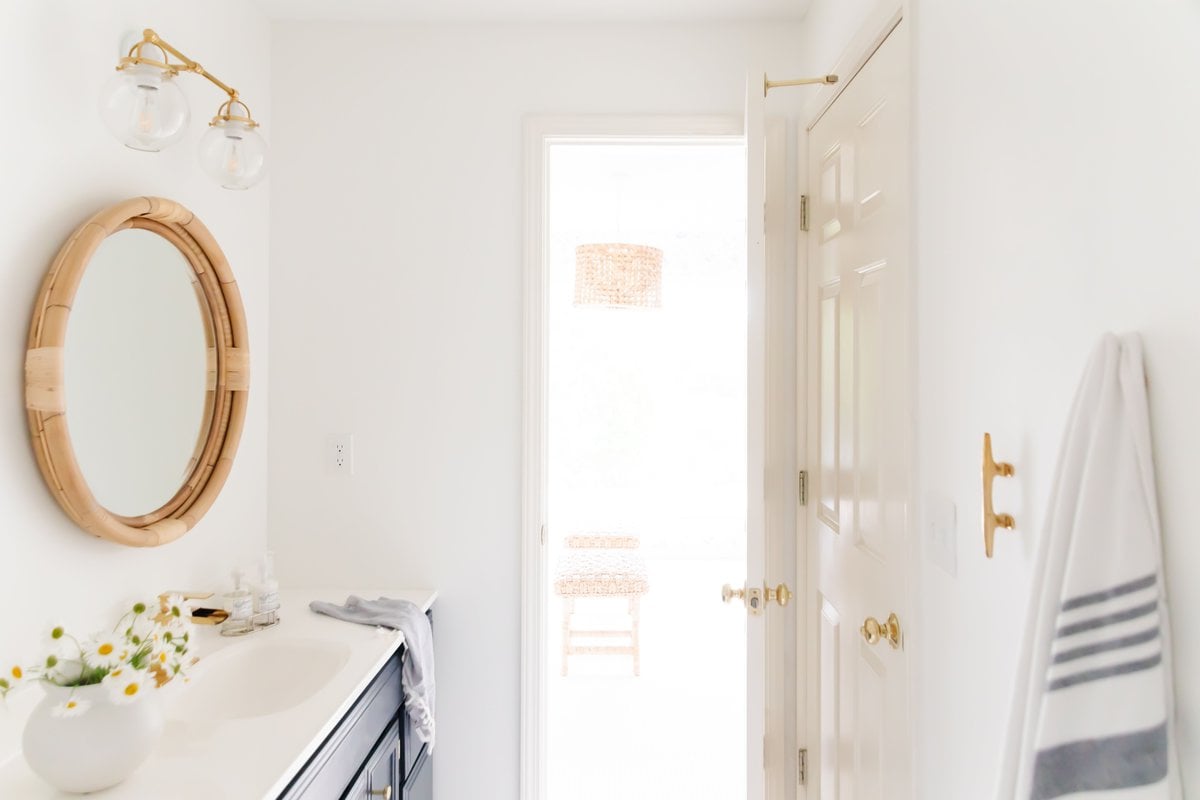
[780, 594]
[385, 793]
[873, 631]
[751, 596]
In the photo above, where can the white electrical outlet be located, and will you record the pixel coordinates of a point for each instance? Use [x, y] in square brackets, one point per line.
[942, 533]
[339, 454]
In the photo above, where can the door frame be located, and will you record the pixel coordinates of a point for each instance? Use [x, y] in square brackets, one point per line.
[872, 32]
[775, 349]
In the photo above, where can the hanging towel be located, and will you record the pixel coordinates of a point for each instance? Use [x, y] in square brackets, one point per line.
[417, 675]
[1093, 712]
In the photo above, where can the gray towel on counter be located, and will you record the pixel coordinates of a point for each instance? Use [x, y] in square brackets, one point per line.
[417, 676]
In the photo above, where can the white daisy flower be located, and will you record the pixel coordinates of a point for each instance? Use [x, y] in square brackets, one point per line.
[174, 607]
[12, 677]
[105, 651]
[65, 672]
[126, 686]
[178, 632]
[70, 708]
[147, 608]
[142, 629]
[56, 635]
[162, 655]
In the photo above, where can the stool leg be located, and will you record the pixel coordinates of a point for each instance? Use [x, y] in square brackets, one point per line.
[635, 616]
[568, 610]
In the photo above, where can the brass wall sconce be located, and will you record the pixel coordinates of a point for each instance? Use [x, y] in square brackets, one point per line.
[991, 520]
[144, 108]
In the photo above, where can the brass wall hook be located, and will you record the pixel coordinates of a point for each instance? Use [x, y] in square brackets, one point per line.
[992, 520]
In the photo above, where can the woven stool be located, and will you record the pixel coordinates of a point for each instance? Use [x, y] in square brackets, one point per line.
[601, 566]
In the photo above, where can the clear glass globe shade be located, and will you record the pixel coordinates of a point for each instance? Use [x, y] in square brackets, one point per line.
[144, 108]
[233, 154]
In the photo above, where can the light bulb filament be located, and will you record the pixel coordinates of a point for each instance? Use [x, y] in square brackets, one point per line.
[146, 109]
[233, 163]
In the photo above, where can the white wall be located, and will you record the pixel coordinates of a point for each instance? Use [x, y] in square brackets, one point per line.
[396, 297]
[1056, 191]
[58, 165]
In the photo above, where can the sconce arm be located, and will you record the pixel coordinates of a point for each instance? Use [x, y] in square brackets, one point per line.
[186, 64]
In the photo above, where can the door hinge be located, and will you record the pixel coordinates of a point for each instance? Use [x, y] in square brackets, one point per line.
[802, 766]
[802, 487]
[803, 212]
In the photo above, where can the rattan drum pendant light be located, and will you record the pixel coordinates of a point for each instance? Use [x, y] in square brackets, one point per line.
[618, 275]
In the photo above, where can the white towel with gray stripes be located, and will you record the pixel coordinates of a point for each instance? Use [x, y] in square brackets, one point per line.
[1093, 715]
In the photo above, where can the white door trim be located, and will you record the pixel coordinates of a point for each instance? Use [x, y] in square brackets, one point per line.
[540, 131]
[866, 40]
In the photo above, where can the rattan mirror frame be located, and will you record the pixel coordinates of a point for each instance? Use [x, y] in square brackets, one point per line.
[228, 373]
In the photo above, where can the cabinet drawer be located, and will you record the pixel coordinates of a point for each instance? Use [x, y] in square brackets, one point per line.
[340, 758]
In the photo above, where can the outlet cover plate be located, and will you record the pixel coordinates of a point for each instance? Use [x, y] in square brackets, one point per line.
[339, 454]
[941, 533]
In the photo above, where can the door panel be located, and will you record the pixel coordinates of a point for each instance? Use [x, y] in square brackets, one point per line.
[828, 432]
[830, 694]
[860, 396]
[870, 726]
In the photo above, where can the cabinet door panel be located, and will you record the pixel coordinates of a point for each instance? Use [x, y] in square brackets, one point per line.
[419, 783]
[380, 776]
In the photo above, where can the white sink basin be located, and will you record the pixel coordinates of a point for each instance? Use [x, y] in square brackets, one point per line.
[249, 678]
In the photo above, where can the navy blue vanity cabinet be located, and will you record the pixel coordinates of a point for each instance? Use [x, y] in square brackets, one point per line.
[381, 775]
[418, 785]
[372, 753]
[418, 772]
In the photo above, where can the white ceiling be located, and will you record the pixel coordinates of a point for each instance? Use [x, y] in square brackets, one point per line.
[535, 10]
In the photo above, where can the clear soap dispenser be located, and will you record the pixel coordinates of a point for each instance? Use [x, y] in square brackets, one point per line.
[266, 594]
[239, 602]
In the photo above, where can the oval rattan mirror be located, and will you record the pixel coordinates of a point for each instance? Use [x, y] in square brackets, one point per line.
[153, 382]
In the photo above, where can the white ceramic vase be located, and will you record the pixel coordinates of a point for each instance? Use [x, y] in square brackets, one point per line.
[96, 749]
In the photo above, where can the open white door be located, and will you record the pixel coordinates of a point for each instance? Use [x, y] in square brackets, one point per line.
[756, 375]
[771, 451]
[860, 401]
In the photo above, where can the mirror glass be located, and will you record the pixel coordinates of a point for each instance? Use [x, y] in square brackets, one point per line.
[136, 372]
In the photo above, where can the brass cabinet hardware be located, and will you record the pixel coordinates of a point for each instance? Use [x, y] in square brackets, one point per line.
[385, 793]
[873, 631]
[780, 594]
[991, 520]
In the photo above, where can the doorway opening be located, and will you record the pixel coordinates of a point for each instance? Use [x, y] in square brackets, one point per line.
[644, 669]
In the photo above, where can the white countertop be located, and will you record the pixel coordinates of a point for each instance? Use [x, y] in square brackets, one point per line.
[241, 759]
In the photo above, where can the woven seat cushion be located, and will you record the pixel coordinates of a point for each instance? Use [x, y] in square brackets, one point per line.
[601, 573]
[603, 540]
